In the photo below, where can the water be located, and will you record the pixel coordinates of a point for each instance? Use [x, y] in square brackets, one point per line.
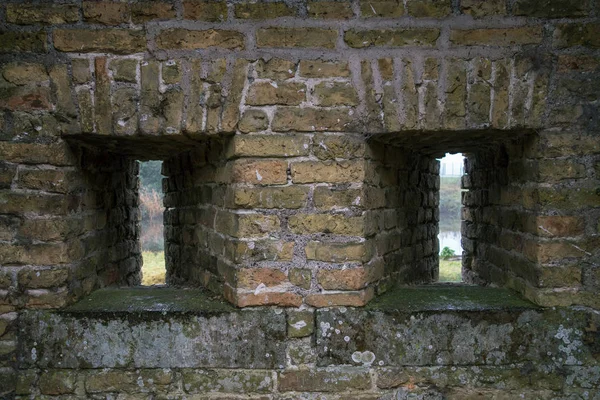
[450, 239]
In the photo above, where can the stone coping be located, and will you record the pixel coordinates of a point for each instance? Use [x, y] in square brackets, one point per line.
[439, 297]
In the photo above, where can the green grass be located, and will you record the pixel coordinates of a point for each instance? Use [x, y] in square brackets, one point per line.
[450, 271]
[153, 270]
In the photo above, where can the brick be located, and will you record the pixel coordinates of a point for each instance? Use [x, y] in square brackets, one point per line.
[300, 277]
[171, 72]
[569, 63]
[62, 90]
[570, 35]
[59, 154]
[300, 324]
[556, 170]
[266, 93]
[332, 299]
[213, 11]
[276, 68]
[330, 9]
[381, 8]
[429, 8]
[47, 14]
[332, 147]
[501, 97]
[551, 8]
[246, 225]
[151, 11]
[260, 250]
[267, 172]
[185, 39]
[334, 252]
[124, 70]
[290, 197]
[483, 8]
[332, 94]
[282, 299]
[117, 41]
[268, 146]
[57, 382]
[36, 254]
[556, 226]
[560, 276]
[326, 223]
[311, 120]
[324, 69]
[49, 180]
[43, 298]
[110, 381]
[81, 70]
[253, 121]
[19, 42]
[231, 108]
[262, 10]
[296, 37]
[331, 198]
[20, 73]
[50, 229]
[26, 98]
[106, 12]
[227, 381]
[424, 37]
[46, 278]
[386, 68]
[7, 174]
[251, 278]
[497, 37]
[324, 380]
[328, 171]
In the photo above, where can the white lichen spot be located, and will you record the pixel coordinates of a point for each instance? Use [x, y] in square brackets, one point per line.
[368, 357]
[380, 363]
[337, 331]
[299, 325]
[357, 356]
[251, 245]
[34, 354]
[258, 176]
[342, 310]
[274, 84]
[347, 339]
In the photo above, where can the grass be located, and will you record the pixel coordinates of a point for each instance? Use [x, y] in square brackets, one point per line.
[153, 270]
[450, 271]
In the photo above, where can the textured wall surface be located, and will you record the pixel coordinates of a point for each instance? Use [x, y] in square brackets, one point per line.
[299, 141]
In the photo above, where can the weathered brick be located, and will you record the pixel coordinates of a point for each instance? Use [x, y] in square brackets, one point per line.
[335, 198]
[276, 68]
[110, 381]
[185, 39]
[151, 11]
[18, 42]
[262, 10]
[300, 277]
[21, 73]
[231, 108]
[246, 225]
[55, 154]
[332, 299]
[497, 37]
[270, 93]
[253, 121]
[483, 8]
[343, 279]
[227, 381]
[324, 380]
[570, 35]
[81, 70]
[267, 172]
[556, 226]
[251, 278]
[26, 98]
[569, 63]
[324, 69]
[330, 9]
[171, 72]
[58, 382]
[48, 14]
[429, 8]
[296, 37]
[259, 250]
[300, 324]
[212, 11]
[326, 223]
[46, 278]
[332, 94]
[334, 252]
[282, 299]
[311, 120]
[62, 89]
[268, 146]
[291, 197]
[106, 12]
[49, 180]
[391, 37]
[50, 229]
[117, 41]
[124, 70]
[328, 171]
[381, 8]
[551, 8]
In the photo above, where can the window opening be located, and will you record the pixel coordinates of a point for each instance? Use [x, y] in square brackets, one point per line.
[152, 227]
[449, 236]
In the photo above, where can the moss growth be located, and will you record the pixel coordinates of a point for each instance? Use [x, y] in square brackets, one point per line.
[152, 299]
[448, 297]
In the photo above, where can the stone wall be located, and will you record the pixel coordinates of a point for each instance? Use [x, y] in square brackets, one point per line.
[299, 141]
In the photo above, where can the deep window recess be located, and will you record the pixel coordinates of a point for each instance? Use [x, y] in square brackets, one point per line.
[152, 227]
[451, 172]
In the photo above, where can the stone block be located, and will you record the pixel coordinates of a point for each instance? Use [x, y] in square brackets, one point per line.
[330, 380]
[58, 382]
[300, 323]
[227, 381]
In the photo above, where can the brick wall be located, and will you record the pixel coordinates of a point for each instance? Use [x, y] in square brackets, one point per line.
[300, 141]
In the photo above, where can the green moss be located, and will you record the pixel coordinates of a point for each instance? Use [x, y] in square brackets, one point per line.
[161, 300]
[448, 297]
